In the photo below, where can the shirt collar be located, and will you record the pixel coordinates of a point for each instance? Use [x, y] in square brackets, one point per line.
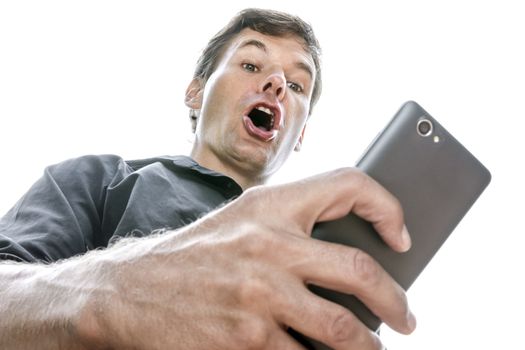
[224, 183]
[228, 185]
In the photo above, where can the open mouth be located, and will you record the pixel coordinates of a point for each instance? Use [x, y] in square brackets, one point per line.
[262, 122]
[262, 117]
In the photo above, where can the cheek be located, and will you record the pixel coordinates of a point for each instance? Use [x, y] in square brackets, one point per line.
[299, 113]
[212, 92]
[295, 128]
[220, 92]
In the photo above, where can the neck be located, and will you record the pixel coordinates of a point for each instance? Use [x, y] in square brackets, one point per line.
[229, 167]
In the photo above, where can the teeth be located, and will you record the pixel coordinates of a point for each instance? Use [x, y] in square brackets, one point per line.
[265, 110]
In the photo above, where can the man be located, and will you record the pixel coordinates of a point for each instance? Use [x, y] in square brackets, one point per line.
[209, 275]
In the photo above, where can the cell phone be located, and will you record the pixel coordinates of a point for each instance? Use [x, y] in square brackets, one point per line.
[435, 178]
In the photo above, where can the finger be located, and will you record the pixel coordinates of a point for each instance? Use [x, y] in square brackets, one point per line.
[352, 271]
[326, 322]
[334, 194]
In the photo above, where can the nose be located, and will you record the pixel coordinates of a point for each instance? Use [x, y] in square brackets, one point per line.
[275, 84]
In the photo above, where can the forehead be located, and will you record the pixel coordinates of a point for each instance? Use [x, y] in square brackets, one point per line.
[291, 46]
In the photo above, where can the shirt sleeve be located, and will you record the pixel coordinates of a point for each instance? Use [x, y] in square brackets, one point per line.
[60, 215]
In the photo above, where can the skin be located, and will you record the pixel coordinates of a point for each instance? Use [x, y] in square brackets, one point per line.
[235, 279]
[279, 72]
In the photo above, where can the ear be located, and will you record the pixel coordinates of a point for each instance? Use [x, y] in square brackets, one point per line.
[194, 92]
[299, 143]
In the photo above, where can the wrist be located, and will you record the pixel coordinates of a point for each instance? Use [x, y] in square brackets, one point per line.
[36, 310]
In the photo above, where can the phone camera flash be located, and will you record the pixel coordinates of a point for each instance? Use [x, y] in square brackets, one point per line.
[436, 139]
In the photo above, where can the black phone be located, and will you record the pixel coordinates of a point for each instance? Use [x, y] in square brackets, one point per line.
[435, 178]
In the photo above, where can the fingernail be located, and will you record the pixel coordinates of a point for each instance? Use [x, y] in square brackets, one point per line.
[412, 322]
[405, 237]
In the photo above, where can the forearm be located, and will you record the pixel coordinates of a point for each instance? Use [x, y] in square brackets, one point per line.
[40, 305]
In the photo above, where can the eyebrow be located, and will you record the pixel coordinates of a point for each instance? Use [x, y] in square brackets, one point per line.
[260, 45]
[253, 42]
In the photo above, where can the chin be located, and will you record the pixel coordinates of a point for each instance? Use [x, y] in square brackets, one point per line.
[253, 161]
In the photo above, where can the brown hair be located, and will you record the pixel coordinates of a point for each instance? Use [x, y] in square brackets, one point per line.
[266, 22]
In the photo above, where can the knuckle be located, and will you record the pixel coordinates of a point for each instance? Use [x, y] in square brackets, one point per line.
[342, 328]
[352, 172]
[256, 242]
[253, 290]
[346, 328]
[357, 179]
[252, 333]
[251, 242]
[365, 269]
[345, 171]
[353, 179]
[349, 173]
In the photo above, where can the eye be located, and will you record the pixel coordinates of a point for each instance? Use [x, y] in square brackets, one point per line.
[294, 86]
[250, 67]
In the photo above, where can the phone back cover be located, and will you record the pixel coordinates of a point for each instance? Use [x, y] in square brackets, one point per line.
[436, 183]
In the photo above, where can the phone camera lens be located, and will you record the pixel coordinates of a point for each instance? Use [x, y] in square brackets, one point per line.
[424, 127]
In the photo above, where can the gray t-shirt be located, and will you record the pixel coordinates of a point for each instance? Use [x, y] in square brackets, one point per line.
[88, 202]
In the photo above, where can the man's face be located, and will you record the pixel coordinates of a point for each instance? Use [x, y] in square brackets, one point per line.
[255, 105]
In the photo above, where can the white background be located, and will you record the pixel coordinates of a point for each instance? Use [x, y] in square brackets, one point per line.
[109, 77]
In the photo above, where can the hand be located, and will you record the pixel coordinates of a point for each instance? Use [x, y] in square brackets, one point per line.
[236, 279]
